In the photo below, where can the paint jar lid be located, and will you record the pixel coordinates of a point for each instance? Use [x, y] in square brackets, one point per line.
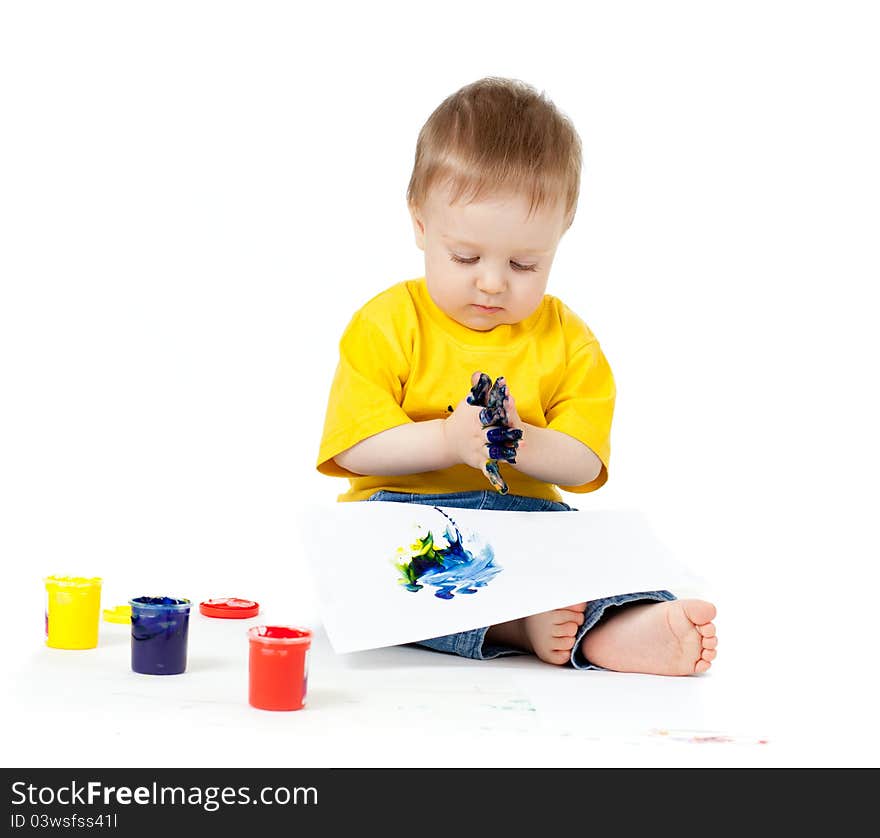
[118, 614]
[73, 582]
[166, 603]
[230, 608]
[281, 635]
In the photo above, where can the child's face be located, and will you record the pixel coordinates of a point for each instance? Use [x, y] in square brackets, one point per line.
[487, 262]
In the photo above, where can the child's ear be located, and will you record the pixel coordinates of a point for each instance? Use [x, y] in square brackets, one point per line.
[418, 226]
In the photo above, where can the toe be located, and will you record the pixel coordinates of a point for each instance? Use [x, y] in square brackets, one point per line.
[710, 642]
[559, 657]
[562, 644]
[699, 611]
[566, 615]
[701, 666]
[708, 654]
[565, 630]
[707, 630]
[574, 612]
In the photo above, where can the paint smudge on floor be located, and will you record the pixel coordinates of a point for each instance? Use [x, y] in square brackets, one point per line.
[706, 737]
[520, 705]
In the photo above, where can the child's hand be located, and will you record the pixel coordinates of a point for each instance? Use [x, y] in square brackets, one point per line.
[464, 436]
[505, 440]
[486, 428]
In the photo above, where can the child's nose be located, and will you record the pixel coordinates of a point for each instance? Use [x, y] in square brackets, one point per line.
[491, 280]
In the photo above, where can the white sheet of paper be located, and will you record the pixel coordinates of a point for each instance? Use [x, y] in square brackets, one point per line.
[547, 559]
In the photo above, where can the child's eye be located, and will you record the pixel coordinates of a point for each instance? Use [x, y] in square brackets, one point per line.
[474, 259]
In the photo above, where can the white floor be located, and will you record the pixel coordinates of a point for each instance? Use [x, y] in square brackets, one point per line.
[411, 707]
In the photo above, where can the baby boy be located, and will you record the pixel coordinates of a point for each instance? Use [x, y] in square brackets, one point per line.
[494, 188]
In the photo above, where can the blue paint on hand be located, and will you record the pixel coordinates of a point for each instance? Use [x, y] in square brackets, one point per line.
[504, 435]
[495, 478]
[480, 391]
[502, 439]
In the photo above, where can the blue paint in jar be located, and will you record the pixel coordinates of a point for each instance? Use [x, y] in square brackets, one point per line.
[159, 634]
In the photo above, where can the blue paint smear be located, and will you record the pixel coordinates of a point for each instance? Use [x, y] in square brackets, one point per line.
[452, 569]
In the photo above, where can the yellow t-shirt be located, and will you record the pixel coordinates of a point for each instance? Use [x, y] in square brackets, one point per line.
[401, 359]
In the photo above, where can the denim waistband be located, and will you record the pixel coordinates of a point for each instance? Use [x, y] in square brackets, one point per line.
[483, 499]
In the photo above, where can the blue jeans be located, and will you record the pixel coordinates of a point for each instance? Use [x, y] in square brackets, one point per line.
[471, 644]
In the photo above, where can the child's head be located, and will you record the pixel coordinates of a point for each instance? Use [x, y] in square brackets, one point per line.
[494, 187]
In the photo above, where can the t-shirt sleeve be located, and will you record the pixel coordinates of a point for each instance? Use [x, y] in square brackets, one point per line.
[366, 393]
[583, 406]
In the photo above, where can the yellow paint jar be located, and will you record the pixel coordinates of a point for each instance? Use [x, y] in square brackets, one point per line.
[73, 607]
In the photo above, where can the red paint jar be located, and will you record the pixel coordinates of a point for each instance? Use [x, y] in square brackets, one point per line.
[279, 667]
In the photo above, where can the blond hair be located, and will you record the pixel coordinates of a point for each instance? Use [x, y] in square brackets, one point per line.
[497, 135]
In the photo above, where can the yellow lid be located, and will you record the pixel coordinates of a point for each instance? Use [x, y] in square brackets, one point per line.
[119, 614]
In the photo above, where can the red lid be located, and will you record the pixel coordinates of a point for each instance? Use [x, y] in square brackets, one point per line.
[230, 608]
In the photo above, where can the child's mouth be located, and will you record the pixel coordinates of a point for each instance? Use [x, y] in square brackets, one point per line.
[487, 309]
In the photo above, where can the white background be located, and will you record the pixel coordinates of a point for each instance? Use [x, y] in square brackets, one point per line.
[194, 197]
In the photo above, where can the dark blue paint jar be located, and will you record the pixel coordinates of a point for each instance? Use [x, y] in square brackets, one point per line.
[159, 634]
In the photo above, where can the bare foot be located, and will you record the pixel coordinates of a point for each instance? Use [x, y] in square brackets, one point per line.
[549, 635]
[657, 638]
